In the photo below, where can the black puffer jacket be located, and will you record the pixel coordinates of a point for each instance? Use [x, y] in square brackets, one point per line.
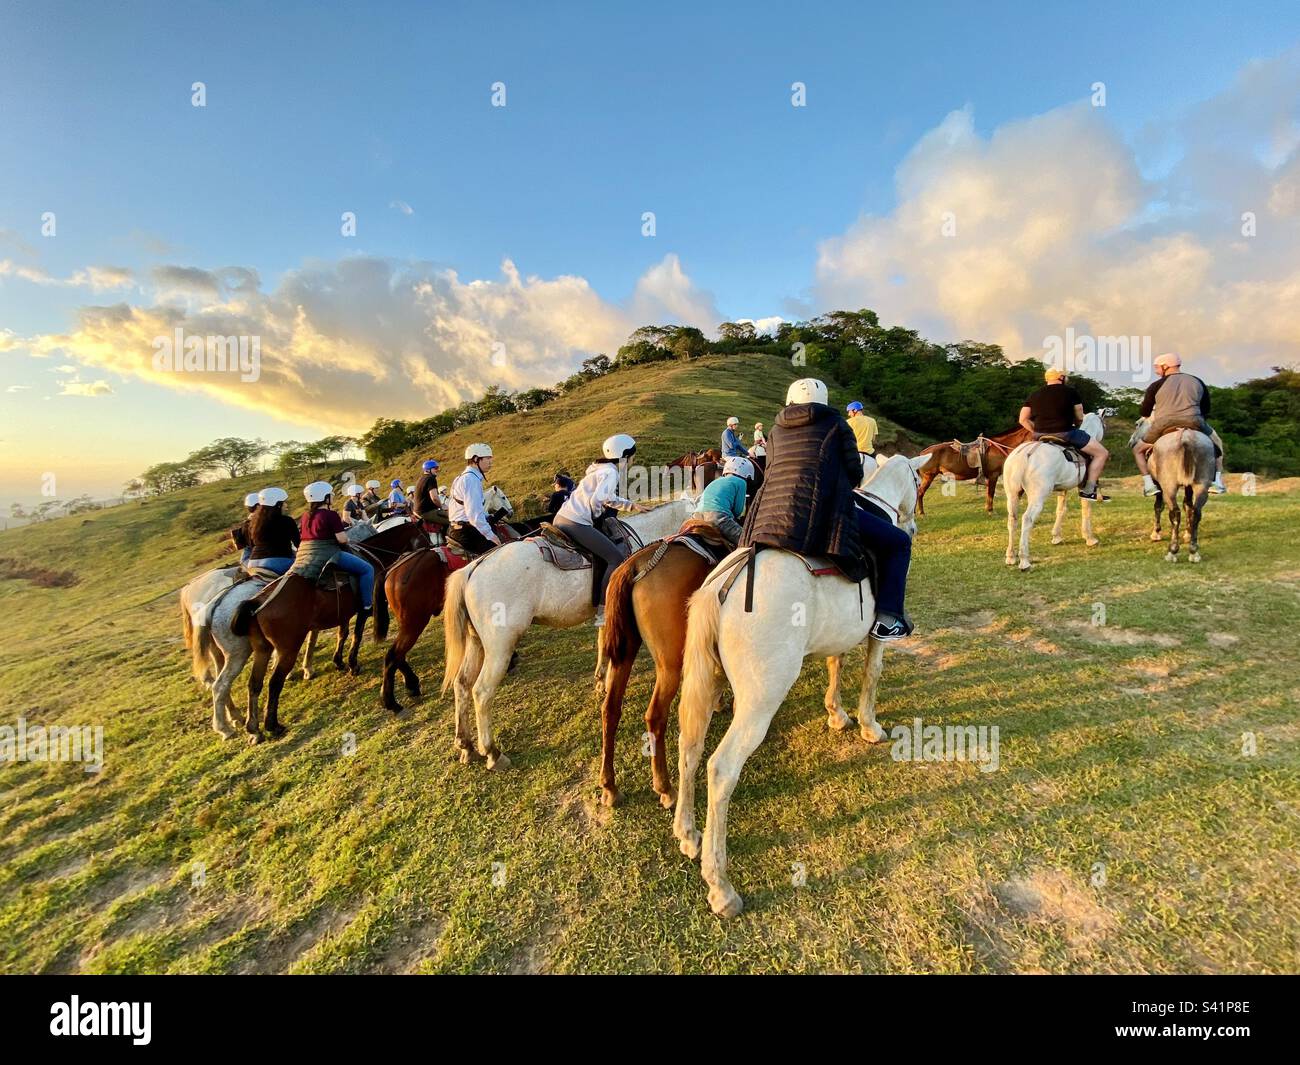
[806, 502]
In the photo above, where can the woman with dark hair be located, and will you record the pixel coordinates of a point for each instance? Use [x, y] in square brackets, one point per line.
[272, 534]
[324, 540]
[563, 488]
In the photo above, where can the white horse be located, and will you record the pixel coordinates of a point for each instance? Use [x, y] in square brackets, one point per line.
[492, 602]
[1182, 460]
[1038, 469]
[196, 599]
[762, 654]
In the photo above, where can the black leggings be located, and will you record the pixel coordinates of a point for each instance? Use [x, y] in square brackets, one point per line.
[468, 537]
[596, 542]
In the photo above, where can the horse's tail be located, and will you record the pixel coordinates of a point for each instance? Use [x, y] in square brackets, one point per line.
[187, 625]
[201, 647]
[620, 638]
[243, 618]
[700, 665]
[455, 625]
[1189, 451]
[381, 611]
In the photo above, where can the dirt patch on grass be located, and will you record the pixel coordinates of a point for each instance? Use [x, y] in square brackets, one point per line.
[1221, 639]
[1014, 915]
[410, 947]
[325, 922]
[534, 956]
[1116, 636]
[1029, 638]
[15, 570]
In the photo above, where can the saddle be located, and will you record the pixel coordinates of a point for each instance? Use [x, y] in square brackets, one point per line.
[819, 566]
[973, 455]
[564, 554]
[1071, 453]
[695, 535]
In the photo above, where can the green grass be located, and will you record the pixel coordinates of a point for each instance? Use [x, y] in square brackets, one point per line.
[1120, 745]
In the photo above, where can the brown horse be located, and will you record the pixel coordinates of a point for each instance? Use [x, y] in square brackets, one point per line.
[962, 462]
[705, 466]
[649, 609]
[415, 588]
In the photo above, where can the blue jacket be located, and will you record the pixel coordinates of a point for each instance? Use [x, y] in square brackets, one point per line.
[731, 444]
[726, 494]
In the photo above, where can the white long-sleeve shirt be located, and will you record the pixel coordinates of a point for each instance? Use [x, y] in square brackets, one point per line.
[466, 504]
[597, 490]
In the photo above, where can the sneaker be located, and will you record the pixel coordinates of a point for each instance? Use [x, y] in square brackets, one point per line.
[1149, 487]
[890, 628]
[1217, 486]
[1088, 491]
[599, 620]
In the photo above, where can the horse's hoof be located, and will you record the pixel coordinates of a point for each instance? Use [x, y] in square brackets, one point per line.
[338, 664]
[1025, 567]
[690, 844]
[276, 732]
[1194, 558]
[609, 797]
[668, 799]
[306, 675]
[497, 760]
[255, 737]
[872, 733]
[355, 670]
[1156, 537]
[1010, 560]
[1170, 557]
[467, 754]
[1058, 539]
[725, 902]
[413, 690]
[225, 734]
[837, 720]
[1092, 543]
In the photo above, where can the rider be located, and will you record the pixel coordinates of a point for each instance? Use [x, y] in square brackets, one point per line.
[239, 534]
[396, 501]
[807, 502]
[324, 539]
[1175, 400]
[470, 529]
[723, 501]
[354, 510]
[372, 500]
[425, 499]
[731, 442]
[272, 534]
[563, 488]
[865, 430]
[1056, 410]
[584, 511]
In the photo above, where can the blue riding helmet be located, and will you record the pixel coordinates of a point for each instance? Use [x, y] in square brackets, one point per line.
[430, 465]
[854, 406]
[395, 483]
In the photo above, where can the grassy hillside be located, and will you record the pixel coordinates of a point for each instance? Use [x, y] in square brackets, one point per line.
[1126, 830]
[670, 407]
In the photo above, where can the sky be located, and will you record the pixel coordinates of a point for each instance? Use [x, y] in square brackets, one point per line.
[954, 167]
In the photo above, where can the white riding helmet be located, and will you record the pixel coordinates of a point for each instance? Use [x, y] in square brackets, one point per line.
[250, 500]
[372, 484]
[269, 497]
[478, 451]
[733, 420]
[318, 491]
[354, 490]
[739, 466]
[807, 390]
[1171, 359]
[618, 446]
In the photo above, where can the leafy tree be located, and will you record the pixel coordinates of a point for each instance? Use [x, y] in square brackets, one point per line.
[231, 454]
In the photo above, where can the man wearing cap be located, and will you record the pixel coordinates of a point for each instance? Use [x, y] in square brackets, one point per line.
[1056, 410]
[1175, 400]
[864, 431]
[731, 442]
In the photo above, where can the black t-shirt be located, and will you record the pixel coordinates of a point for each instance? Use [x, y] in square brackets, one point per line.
[276, 538]
[426, 493]
[556, 501]
[1052, 408]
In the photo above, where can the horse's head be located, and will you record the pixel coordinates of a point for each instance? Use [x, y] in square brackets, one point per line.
[360, 530]
[1139, 431]
[495, 501]
[895, 483]
[1093, 425]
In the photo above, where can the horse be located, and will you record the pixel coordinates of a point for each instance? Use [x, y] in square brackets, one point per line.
[1038, 469]
[953, 458]
[415, 589]
[761, 654]
[196, 599]
[705, 467]
[1182, 459]
[493, 601]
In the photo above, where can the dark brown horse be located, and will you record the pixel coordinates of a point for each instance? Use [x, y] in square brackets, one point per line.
[705, 466]
[963, 462]
[650, 610]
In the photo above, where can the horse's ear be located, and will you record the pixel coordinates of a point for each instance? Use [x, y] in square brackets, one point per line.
[919, 462]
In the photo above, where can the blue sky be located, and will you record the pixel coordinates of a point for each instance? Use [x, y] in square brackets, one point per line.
[613, 109]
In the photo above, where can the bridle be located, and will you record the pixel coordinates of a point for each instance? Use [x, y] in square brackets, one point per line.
[884, 504]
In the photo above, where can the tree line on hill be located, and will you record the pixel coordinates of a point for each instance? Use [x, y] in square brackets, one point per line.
[943, 391]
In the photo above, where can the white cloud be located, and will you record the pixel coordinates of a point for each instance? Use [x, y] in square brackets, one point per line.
[403, 206]
[664, 294]
[96, 278]
[1056, 225]
[86, 388]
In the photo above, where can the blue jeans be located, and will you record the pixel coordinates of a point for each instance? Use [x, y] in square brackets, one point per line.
[357, 565]
[276, 565]
[245, 555]
[893, 551]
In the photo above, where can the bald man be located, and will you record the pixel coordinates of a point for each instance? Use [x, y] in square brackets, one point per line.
[1175, 400]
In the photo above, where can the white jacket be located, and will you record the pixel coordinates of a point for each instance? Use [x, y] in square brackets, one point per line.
[597, 490]
[466, 503]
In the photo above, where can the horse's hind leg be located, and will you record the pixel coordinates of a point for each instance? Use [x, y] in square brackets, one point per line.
[873, 655]
[1032, 510]
[668, 679]
[1175, 522]
[339, 644]
[1159, 506]
[309, 648]
[990, 489]
[462, 687]
[256, 675]
[611, 712]
[222, 703]
[1194, 508]
[358, 633]
[395, 660]
[283, 667]
[1085, 522]
[1013, 505]
[836, 718]
[1062, 502]
[496, 660]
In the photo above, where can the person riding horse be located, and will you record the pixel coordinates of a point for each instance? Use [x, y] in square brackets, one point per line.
[272, 534]
[1056, 410]
[723, 502]
[372, 500]
[470, 529]
[582, 514]
[396, 503]
[562, 487]
[1175, 400]
[239, 534]
[354, 510]
[323, 539]
[731, 442]
[807, 504]
[426, 501]
[865, 431]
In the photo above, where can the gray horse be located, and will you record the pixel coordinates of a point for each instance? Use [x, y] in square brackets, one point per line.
[1182, 459]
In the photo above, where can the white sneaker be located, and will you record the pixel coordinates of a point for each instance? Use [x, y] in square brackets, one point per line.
[1217, 486]
[1149, 487]
[599, 620]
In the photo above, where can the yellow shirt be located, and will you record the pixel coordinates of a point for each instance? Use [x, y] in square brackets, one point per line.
[865, 429]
